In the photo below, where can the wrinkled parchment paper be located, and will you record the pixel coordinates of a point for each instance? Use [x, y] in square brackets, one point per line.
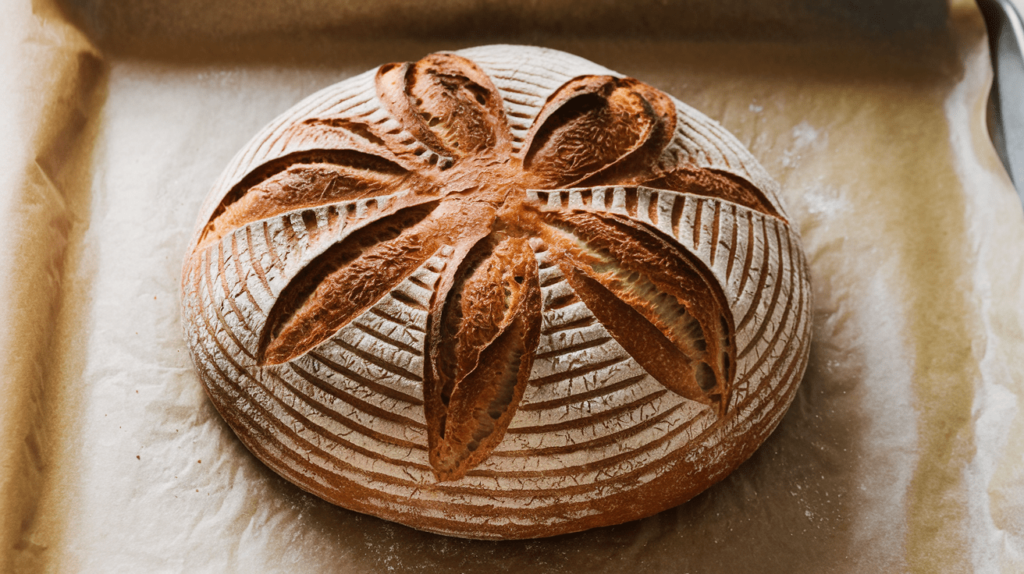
[904, 449]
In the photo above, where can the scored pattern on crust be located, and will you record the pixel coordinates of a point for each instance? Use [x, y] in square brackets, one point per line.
[746, 250]
[241, 276]
[701, 141]
[499, 293]
[526, 82]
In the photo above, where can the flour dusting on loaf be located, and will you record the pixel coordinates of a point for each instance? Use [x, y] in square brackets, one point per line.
[497, 293]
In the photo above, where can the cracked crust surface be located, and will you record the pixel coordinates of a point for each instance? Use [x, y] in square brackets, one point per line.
[498, 293]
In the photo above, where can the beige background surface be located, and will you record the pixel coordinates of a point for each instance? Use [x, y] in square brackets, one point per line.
[904, 450]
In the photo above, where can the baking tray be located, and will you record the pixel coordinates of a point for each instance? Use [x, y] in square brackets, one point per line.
[1005, 103]
[901, 452]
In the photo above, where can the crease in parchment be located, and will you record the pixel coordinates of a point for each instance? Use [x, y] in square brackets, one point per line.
[52, 74]
[995, 505]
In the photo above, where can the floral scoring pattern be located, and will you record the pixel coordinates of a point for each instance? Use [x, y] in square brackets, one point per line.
[451, 179]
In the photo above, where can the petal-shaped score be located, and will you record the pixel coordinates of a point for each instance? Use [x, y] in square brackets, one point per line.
[711, 183]
[353, 275]
[659, 304]
[343, 281]
[597, 124]
[492, 329]
[305, 179]
[449, 104]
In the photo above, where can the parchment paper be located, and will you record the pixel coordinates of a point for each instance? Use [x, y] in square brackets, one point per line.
[904, 450]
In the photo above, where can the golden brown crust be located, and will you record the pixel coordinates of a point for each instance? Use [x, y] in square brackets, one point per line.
[493, 310]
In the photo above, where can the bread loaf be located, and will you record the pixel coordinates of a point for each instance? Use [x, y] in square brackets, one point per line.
[497, 293]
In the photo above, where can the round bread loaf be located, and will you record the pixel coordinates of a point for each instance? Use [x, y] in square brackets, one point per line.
[497, 293]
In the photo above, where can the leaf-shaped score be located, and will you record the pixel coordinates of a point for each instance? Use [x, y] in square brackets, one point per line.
[305, 179]
[448, 103]
[492, 326]
[342, 281]
[593, 124]
[672, 364]
[711, 183]
[364, 267]
[660, 305]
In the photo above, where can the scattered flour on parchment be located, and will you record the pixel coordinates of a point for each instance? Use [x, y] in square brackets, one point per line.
[805, 137]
